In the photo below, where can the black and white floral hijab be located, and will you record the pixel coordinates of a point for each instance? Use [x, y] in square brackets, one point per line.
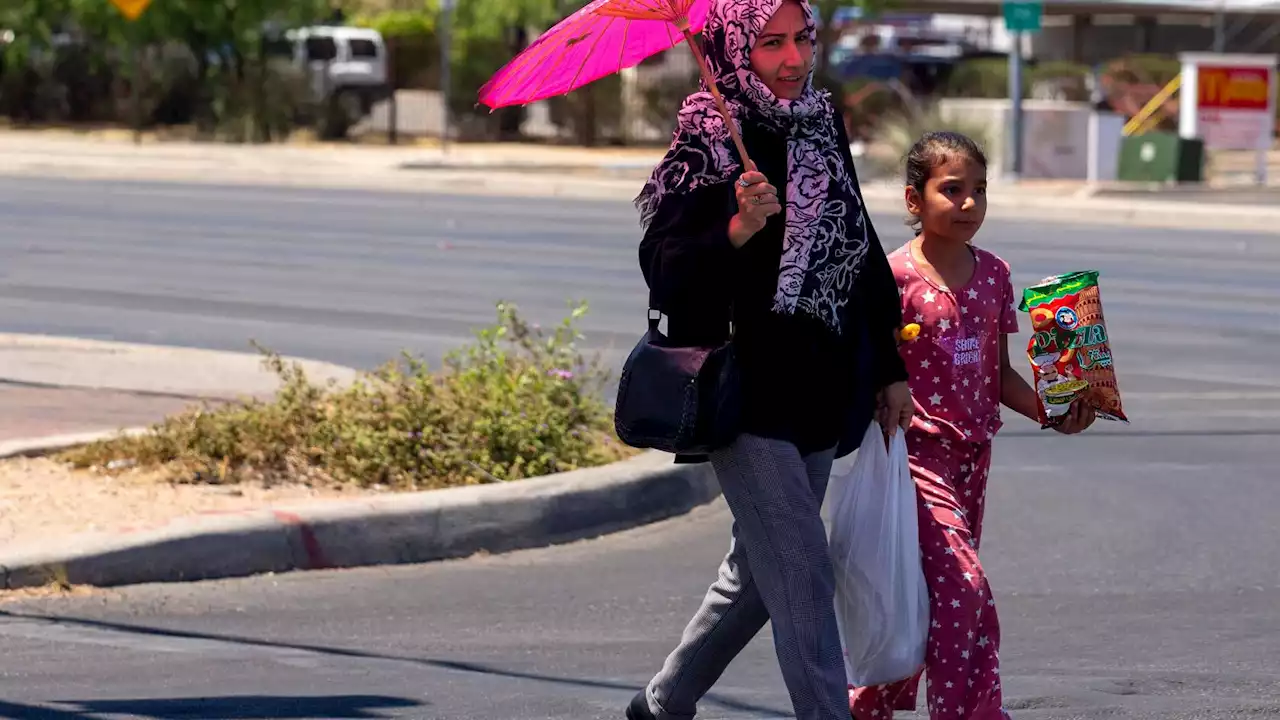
[826, 236]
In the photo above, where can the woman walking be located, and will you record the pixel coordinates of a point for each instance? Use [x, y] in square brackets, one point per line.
[782, 247]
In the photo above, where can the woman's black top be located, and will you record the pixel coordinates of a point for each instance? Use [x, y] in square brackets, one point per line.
[801, 382]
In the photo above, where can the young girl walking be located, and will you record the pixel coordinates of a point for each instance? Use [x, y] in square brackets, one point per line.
[962, 299]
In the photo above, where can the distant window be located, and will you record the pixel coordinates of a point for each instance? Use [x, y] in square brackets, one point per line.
[364, 49]
[321, 49]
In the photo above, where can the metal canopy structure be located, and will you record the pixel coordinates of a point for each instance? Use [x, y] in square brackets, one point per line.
[1202, 8]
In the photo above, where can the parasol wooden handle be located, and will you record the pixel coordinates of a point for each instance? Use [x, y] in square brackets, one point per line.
[715, 94]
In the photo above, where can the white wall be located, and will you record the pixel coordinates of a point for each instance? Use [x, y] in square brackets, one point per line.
[1055, 142]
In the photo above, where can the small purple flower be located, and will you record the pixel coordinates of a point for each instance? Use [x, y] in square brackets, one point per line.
[562, 374]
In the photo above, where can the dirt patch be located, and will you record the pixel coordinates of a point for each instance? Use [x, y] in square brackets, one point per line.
[42, 500]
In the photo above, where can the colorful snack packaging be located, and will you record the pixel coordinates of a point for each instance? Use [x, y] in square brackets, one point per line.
[1070, 349]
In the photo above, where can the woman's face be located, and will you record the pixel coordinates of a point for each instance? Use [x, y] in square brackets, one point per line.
[783, 53]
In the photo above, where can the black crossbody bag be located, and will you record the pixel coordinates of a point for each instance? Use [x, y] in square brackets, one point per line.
[684, 400]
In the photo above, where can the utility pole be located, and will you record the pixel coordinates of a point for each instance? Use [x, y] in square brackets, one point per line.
[1220, 28]
[1016, 120]
[1020, 17]
[446, 16]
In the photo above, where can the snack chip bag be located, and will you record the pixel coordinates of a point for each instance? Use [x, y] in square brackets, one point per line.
[1069, 349]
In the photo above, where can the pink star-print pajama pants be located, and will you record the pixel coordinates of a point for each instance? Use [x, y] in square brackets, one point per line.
[962, 659]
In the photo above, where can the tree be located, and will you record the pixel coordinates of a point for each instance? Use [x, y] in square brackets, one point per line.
[226, 41]
[484, 35]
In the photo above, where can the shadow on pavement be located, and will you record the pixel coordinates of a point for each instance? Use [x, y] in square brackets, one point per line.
[18, 711]
[236, 707]
[454, 665]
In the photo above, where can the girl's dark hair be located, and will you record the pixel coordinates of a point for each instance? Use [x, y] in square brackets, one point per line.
[936, 148]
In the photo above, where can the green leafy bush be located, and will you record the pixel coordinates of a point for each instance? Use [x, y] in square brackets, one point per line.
[982, 78]
[989, 78]
[1143, 69]
[516, 403]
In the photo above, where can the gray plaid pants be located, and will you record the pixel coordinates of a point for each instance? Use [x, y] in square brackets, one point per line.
[778, 569]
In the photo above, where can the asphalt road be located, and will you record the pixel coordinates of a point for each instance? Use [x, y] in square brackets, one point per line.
[1134, 567]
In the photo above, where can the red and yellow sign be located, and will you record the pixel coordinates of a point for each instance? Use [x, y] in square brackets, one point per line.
[1234, 88]
[131, 9]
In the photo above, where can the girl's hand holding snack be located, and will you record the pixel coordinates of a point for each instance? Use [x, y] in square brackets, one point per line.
[1079, 419]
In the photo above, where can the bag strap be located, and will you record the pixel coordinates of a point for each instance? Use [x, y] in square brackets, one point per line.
[655, 316]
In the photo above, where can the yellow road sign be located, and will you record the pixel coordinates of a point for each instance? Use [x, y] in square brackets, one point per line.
[131, 9]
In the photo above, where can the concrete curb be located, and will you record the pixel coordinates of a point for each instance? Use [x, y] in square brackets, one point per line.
[393, 529]
[1086, 210]
[623, 183]
[179, 372]
[51, 444]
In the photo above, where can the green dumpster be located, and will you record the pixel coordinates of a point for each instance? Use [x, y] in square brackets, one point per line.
[1161, 157]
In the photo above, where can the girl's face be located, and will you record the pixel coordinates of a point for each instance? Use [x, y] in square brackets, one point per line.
[954, 202]
[783, 53]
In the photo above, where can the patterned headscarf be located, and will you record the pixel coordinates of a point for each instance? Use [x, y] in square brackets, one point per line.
[825, 240]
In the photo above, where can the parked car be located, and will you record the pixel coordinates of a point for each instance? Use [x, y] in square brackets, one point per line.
[346, 68]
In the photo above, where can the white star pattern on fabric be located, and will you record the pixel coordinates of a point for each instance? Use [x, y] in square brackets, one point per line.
[951, 473]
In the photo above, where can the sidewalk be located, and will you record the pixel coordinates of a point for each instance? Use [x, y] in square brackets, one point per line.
[63, 527]
[27, 412]
[579, 173]
[52, 386]
[188, 373]
[55, 390]
[50, 151]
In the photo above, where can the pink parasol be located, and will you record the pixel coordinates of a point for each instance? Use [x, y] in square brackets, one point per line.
[603, 38]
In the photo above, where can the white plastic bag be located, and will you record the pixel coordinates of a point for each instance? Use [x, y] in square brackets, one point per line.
[882, 602]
